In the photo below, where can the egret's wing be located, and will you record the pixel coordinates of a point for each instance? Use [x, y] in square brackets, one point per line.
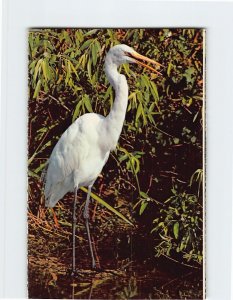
[72, 148]
[67, 154]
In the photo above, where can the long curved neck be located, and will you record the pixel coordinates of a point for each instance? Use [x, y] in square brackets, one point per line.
[115, 119]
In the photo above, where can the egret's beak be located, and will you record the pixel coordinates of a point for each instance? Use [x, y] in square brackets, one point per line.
[138, 58]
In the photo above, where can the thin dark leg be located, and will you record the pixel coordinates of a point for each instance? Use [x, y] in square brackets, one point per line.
[74, 229]
[86, 217]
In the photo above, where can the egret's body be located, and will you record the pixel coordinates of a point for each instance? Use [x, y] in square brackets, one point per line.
[82, 151]
[77, 158]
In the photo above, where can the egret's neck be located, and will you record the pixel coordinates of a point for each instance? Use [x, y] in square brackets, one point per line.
[114, 121]
[112, 73]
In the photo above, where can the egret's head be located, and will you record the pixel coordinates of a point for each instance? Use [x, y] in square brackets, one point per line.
[121, 54]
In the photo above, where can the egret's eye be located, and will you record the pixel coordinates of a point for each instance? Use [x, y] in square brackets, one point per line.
[127, 54]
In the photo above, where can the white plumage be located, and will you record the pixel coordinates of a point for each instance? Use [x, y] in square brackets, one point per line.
[77, 159]
[83, 149]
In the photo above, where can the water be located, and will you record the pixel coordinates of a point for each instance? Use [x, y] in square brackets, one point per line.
[129, 271]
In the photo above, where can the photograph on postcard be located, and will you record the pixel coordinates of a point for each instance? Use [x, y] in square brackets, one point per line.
[116, 163]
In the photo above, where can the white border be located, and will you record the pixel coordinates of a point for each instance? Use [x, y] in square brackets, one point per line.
[17, 17]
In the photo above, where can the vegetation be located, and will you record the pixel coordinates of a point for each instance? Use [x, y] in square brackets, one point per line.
[154, 178]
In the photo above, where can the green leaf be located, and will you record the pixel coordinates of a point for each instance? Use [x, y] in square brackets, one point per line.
[109, 91]
[176, 230]
[89, 68]
[123, 157]
[32, 66]
[189, 74]
[134, 161]
[155, 94]
[154, 91]
[144, 81]
[193, 139]
[45, 69]
[91, 32]
[68, 70]
[139, 111]
[37, 69]
[76, 111]
[86, 44]
[143, 207]
[73, 69]
[126, 68]
[144, 195]
[88, 103]
[32, 174]
[98, 46]
[37, 89]
[132, 96]
[176, 140]
[169, 68]
[152, 106]
[41, 166]
[94, 53]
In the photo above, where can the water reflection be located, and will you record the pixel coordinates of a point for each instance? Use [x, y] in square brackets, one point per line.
[135, 282]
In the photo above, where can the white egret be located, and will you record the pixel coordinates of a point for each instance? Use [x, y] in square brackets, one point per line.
[83, 149]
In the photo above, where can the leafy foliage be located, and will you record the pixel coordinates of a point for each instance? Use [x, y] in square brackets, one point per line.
[159, 156]
[180, 227]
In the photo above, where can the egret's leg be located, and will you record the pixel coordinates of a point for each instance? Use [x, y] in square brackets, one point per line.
[86, 217]
[74, 229]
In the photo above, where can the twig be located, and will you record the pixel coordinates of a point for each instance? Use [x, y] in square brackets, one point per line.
[59, 102]
[150, 183]
[187, 110]
[180, 263]
[53, 98]
[37, 149]
[118, 163]
[175, 279]
[163, 131]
